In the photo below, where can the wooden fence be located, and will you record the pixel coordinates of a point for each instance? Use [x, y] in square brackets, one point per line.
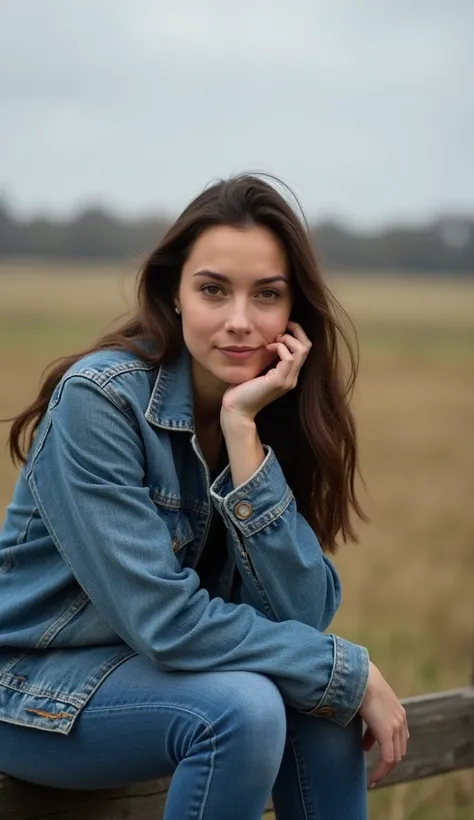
[441, 740]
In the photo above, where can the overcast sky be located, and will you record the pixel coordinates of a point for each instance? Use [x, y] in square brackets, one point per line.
[365, 107]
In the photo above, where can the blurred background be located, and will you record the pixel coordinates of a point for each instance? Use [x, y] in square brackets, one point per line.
[116, 113]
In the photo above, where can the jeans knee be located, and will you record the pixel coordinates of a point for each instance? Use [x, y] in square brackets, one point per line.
[257, 720]
[257, 701]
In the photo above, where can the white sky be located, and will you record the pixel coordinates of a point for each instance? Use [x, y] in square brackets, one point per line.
[365, 107]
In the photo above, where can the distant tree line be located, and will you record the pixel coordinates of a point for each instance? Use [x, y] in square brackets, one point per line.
[445, 245]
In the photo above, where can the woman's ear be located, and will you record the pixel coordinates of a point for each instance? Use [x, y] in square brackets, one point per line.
[175, 298]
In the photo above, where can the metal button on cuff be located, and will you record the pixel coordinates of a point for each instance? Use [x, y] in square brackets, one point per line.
[324, 711]
[243, 510]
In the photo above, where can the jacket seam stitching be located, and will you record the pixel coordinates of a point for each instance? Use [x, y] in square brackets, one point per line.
[38, 446]
[331, 685]
[11, 663]
[50, 633]
[71, 699]
[6, 561]
[255, 580]
[23, 534]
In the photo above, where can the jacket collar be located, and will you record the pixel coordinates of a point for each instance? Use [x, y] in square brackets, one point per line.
[171, 402]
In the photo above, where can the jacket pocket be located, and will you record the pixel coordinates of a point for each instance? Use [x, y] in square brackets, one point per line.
[175, 518]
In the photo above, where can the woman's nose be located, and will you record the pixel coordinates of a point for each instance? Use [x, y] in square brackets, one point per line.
[239, 318]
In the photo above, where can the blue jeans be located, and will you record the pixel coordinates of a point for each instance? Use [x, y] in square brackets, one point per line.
[227, 737]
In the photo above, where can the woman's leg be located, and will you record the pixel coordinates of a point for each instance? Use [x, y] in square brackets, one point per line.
[322, 775]
[222, 734]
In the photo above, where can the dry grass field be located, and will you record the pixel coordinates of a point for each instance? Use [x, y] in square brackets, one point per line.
[408, 585]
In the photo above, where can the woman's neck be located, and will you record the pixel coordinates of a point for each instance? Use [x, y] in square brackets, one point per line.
[208, 394]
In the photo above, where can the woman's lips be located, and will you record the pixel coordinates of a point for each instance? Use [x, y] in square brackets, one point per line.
[237, 354]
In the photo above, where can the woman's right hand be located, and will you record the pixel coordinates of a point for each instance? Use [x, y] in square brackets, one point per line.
[386, 724]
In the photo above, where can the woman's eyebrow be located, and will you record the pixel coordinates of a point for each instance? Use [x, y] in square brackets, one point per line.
[222, 278]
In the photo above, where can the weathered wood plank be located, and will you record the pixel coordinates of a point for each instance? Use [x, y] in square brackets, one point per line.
[442, 740]
[22, 801]
[441, 736]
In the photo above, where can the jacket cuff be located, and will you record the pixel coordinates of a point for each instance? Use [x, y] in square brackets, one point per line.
[256, 503]
[346, 689]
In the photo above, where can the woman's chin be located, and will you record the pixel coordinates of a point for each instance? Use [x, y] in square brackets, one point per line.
[236, 372]
[237, 375]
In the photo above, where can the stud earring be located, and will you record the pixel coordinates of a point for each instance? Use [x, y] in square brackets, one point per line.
[177, 310]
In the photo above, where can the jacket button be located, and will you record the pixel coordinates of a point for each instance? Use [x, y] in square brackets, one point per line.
[324, 711]
[175, 544]
[243, 510]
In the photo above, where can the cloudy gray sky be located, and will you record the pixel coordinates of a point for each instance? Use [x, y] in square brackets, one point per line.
[365, 108]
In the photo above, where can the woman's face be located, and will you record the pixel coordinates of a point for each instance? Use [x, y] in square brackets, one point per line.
[234, 292]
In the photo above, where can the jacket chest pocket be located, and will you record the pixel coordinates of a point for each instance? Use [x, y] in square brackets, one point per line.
[175, 519]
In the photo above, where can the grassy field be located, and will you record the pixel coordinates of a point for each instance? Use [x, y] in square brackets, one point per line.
[408, 585]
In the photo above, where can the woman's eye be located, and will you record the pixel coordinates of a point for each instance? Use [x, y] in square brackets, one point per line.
[268, 294]
[205, 289]
[274, 293]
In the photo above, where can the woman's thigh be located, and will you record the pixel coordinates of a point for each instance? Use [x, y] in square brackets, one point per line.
[141, 722]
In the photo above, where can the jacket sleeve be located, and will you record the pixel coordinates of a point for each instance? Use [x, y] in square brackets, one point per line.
[86, 474]
[284, 571]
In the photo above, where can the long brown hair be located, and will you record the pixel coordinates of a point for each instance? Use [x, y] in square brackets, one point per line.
[311, 428]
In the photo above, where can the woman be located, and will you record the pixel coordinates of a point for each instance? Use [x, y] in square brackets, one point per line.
[163, 588]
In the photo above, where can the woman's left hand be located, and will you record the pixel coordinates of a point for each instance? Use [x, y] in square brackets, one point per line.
[247, 399]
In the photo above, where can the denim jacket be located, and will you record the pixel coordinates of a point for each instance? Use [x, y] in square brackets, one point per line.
[100, 543]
